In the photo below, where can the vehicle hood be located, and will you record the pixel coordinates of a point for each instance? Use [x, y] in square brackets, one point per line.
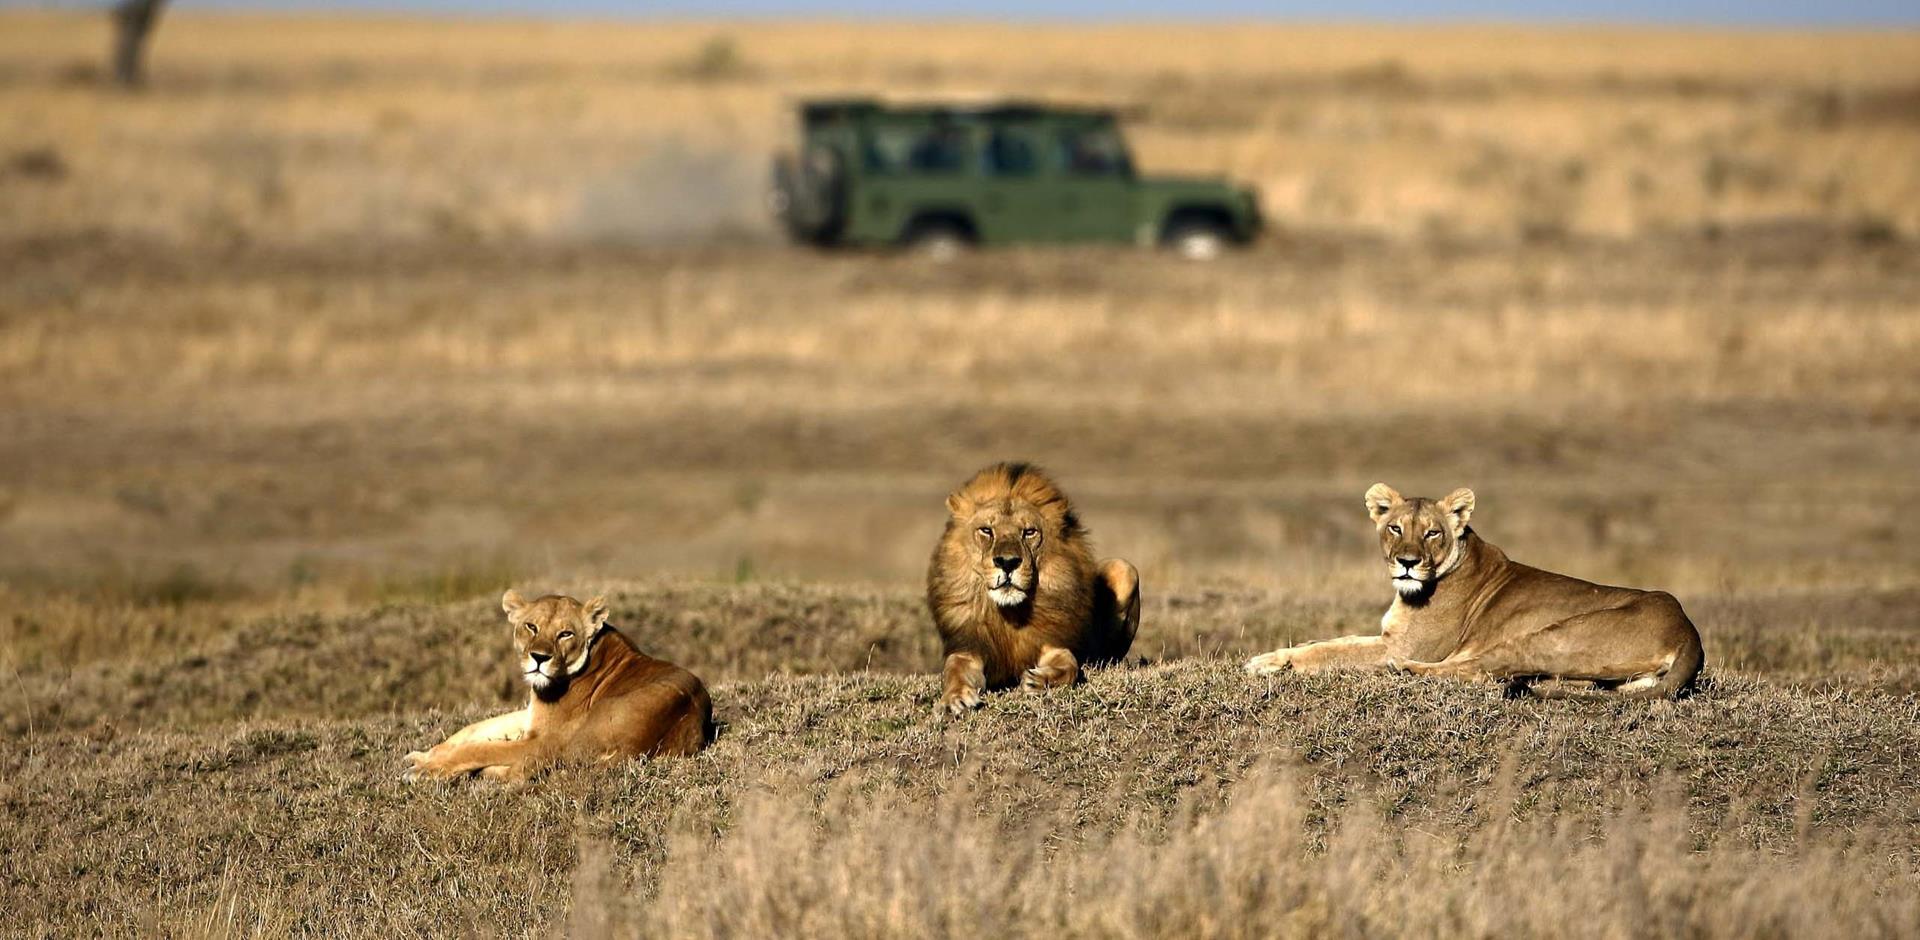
[1187, 182]
[1195, 185]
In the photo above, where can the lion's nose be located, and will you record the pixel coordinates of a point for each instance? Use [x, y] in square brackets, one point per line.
[1407, 561]
[1006, 563]
[539, 658]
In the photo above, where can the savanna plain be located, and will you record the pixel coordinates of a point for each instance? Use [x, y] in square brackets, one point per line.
[342, 326]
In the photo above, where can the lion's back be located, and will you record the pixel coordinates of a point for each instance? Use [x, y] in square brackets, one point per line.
[649, 706]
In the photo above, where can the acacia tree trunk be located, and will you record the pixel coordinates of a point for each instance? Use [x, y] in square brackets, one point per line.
[132, 21]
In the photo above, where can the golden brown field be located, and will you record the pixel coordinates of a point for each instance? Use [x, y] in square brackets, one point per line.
[342, 326]
[269, 128]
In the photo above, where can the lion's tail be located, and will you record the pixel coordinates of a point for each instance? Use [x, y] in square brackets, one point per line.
[1677, 681]
[1116, 609]
[1686, 667]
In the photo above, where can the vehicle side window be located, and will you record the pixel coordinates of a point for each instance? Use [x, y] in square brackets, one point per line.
[942, 148]
[1093, 151]
[1010, 152]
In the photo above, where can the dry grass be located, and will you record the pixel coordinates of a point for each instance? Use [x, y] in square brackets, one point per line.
[880, 865]
[312, 420]
[287, 816]
[345, 326]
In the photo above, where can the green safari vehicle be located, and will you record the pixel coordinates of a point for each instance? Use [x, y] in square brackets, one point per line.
[943, 178]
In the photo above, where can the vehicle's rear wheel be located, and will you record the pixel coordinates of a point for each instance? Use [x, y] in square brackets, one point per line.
[1198, 239]
[937, 239]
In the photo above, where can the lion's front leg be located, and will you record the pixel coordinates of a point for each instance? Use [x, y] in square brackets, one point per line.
[1347, 652]
[448, 761]
[963, 680]
[1055, 669]
[1466, 667]
[511, 726]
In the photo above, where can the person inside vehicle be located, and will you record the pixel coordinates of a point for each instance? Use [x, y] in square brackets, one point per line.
[942, 150]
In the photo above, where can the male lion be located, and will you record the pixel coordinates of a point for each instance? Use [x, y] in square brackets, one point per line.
[1462, 610]
[1015, 592]
[595, 697]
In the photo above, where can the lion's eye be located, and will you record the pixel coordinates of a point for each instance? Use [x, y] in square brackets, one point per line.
[1029, 532]
[1393, 528]
[564, 634]
[987, 531]
[530, 627]
[1433, 533]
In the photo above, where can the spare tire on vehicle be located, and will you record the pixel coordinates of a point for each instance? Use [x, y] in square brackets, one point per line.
[809, 193]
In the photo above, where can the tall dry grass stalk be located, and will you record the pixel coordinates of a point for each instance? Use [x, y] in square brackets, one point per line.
[868, 864]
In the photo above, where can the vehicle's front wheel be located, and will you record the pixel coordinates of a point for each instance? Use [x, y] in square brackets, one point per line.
[1198, 239]
[937, 240]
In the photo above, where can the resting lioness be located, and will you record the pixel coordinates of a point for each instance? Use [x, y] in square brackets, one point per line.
[595, 698]
[1461, 609]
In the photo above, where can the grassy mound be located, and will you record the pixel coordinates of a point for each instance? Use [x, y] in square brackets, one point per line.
[252, 786]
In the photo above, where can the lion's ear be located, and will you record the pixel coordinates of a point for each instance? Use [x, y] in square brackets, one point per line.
[512, 602]
[596, 611]
[1459, 506]
[1380, 498]
[958, 506]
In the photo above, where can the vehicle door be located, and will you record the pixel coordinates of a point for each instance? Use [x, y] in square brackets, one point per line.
[1016, 203]
[1092, 183]
[912, 166]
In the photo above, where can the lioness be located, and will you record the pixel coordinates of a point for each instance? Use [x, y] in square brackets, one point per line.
[595, 697]
[1461, 609]
[1015, 593]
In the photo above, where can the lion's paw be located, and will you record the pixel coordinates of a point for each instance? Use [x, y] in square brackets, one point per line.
[415, 760]
[1270, 664]
[422, 765]
[957, 704]
[1043, 677]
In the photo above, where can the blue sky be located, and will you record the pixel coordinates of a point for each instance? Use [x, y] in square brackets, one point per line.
[1752, 12]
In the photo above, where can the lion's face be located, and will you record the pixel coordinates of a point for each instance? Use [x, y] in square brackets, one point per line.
[1419, 538]
[553, 636]
[1005, 545]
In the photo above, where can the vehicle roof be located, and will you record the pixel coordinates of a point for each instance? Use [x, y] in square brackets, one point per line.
[820, 109]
